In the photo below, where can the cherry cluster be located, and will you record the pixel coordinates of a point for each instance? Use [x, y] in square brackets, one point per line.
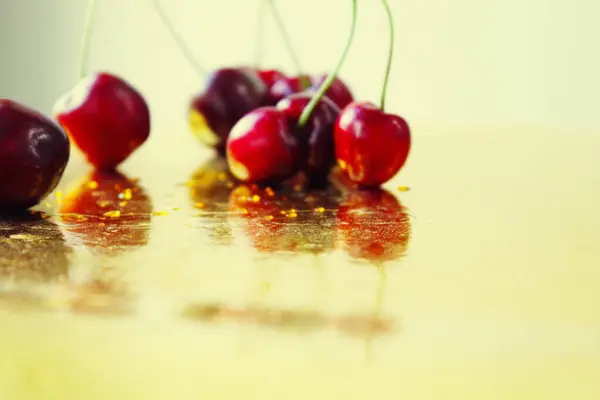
[269, 126]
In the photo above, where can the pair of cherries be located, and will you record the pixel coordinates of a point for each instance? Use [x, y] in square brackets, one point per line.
[103, 115]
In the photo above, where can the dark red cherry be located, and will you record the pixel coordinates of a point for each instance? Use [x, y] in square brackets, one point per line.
[229, 94]
[370, 145]
[338, 92]
[316, 137]
[262, 148]
[374, 226]
[34, 152]
[108, 210]
[106, 118]
[279, 85]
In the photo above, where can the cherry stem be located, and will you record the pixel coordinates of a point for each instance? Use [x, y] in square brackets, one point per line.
[332, 76]
[288, 43]
[388, 69]
[84, 53]
[187, 53]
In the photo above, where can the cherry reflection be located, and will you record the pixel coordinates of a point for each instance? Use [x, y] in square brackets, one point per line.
[108, 211]
[209, 189]
[373, 225]
[32, 249]
[287, 220]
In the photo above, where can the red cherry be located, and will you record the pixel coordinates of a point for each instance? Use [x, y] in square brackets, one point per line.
[229, 94]
[106, 118]
[34, 152]
[338, 92]
[262, 148]
[108, 210]
[374, 225]
[279, 85]
[316, 137]
[370, 145]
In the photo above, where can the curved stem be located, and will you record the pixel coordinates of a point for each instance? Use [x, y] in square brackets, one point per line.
[327, 83]
[288, 43]
[187, 53]
[84, 53]
[388, 11]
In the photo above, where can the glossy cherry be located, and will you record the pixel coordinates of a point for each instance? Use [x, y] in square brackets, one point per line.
[262, 147]
[371, 145]
[373, 225]
[34, 152]
[315, 137]
[229, 94]
[280, 86]
[338, 92]
[106, 118]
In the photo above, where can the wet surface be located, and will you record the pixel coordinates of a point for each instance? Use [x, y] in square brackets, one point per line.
[468, 264]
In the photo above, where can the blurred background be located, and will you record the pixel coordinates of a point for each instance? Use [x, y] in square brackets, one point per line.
[459, 62]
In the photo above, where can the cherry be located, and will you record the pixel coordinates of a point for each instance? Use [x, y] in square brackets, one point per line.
[229, 94]
[280, 86]
[316, 137]
[370, 145]
[34, 152]
[262, 148]
[108, 210]
[338, 92]
[374, 225]
[106, 118]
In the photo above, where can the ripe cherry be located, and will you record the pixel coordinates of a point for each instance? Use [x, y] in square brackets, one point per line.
[279, 85]
[315, 137]
[109, 211]
[262, 148]
[374, 226]
[106, 118]
[229, 94]
[34, 152]
[370, 145]
[338, 92]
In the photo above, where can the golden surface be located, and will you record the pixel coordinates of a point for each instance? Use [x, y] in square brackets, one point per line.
[476, 276]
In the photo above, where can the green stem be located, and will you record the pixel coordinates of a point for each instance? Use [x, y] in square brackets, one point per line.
[84, 53]
[288, 44]
[187, 53]
[388, 11]
[327, 83]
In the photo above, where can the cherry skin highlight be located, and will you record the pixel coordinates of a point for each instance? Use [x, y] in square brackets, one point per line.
[34, 152]
[316, 137]
[229, 94]
[370, 145]
[338, 92]
[262, 148]
[280, 86]
[106, 118]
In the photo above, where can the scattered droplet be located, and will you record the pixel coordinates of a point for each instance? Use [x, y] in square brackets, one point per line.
[92, 185]
[126, 194]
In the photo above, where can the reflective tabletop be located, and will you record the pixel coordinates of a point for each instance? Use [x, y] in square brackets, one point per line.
[474, 274]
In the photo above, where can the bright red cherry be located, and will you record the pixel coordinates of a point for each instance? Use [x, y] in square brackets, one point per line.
[229, 94]
[338, 92]
[262, 148]
[316, 137]
[34, 152]
[279, 85]
[108, 210]
[106, 118]
[374, 225]
[370, 145]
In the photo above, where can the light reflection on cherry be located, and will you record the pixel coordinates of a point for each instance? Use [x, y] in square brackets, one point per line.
[108, 211]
